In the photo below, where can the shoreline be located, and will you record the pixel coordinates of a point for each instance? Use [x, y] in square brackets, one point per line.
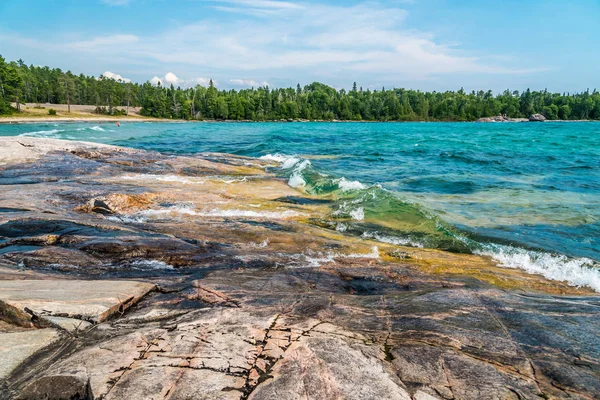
[7, 120]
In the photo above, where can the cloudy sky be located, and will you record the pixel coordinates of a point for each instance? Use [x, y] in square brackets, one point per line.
[419, 44]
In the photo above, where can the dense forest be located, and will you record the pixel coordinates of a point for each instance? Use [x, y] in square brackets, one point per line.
[20, 83]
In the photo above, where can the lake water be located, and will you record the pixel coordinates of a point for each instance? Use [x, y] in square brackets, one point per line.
[526, 194]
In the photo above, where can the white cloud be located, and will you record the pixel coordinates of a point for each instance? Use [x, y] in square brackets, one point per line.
[156, 81]
[248, 83]
[114, 76]
[172, 79]
[325, 39]
[332, 43]
[201, 81]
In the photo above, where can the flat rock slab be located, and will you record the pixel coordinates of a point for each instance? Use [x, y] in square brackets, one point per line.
[89, 300]
[16, 347]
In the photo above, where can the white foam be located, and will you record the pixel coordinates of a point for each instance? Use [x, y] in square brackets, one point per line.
[151, 264]
[373, 254]
[575, 271]
[296, 181]
[395, 240]
[228, 181]
[318, 259]
[358, 214]
[186, 210]
[288, 162]
[128, 219]
[274, 157]
[346, 185]
[97, 129]
[162, 178]
[341, 227]
[261, 245]
[316, 262]
[42, 134]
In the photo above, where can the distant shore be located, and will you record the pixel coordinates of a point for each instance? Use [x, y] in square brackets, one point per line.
[35, 113]
[38, 120]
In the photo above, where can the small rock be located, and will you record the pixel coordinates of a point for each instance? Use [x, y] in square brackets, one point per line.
[537, 118]
[100, 207]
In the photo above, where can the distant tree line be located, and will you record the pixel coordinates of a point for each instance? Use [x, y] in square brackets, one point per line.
[20, 83]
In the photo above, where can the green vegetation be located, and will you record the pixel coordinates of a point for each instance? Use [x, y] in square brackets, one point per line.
[52, 111]
[30, 84]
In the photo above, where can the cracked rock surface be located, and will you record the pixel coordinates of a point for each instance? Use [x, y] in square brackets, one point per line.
[127, 274]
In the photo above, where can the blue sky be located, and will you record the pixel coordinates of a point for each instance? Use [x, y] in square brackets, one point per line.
[419, 44]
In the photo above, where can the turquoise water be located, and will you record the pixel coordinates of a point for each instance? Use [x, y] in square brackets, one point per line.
[526, 194]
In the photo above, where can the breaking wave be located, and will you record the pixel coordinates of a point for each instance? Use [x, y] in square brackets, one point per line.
[575, 271]
[183, 210]
[163, 178]
[42, 134]
[375, 213]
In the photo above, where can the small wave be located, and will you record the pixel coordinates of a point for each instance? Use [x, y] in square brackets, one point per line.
[128, 219]
[346, 185]
[142, 216]
[162, 178]
[290, 162]
[395, 240]
[234, 180]
[296, 180]
[280, 158]
[42, 134]
[97, 129]
[575, 271]
[286, 161]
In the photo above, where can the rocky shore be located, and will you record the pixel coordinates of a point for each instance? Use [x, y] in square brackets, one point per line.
[127, 274]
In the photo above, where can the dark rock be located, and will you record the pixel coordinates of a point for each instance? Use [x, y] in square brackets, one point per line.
[58, 387]
[537, 118]
[100, 207]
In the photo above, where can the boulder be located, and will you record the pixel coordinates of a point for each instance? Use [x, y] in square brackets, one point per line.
[537, 118]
